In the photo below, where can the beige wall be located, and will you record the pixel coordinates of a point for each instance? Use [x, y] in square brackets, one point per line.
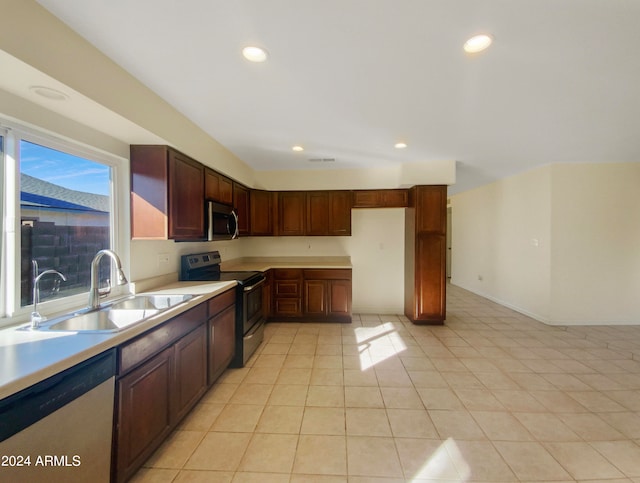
[376, 248]
[494, 229]
[404, 175]
[595, 224]
[559, 243]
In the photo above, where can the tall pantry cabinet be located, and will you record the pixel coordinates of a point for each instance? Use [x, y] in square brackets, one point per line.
[425, 255]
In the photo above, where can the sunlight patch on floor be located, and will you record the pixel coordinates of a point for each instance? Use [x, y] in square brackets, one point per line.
[446, 463]
[378, 343]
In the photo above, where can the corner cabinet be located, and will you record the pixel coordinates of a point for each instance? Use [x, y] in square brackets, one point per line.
[167, 194]
[327, 295]
[311, 295]
[425, 255]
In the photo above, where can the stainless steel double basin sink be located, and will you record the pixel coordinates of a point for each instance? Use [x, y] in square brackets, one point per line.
[116, 316]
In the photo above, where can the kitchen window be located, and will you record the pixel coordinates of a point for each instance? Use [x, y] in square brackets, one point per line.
[59, 205]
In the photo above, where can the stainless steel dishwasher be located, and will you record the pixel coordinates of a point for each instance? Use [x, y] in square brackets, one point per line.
[59, 430]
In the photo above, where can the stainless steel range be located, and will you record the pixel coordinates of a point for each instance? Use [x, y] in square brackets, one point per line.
[249, 316]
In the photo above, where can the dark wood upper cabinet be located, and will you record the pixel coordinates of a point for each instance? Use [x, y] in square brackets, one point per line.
[261, 206]
[431, 209]
[218, 187]
[318, 213]
[241, 204]
[291, 213]
[328, 213]
[340, 213]
[393, 198]
[167, 194]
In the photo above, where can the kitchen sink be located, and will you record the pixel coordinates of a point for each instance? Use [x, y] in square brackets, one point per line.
[115, 316]
[149, 302]
[106, 320]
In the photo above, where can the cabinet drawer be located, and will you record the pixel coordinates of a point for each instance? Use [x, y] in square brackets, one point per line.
[220, 302]
[148, 344]
[291, 307]
[287, 274]
[287, 288]
[327, 274]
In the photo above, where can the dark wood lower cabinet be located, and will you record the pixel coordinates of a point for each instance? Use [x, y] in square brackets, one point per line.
[315, 298]
[144, 413]
[161, 376]
[340, 298]
[222, 333]
[190, 371]
[322, 295]
[287, 293]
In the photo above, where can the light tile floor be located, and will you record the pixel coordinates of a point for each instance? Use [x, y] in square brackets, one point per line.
[490, 396]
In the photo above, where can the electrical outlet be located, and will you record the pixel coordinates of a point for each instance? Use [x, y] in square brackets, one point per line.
[163, 259]
[480, 277]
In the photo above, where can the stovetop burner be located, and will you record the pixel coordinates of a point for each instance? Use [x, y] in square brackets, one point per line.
[206, 267]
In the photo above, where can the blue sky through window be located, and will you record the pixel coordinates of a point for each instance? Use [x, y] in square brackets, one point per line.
[64, 169]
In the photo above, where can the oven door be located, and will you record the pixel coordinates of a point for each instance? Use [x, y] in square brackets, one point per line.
[252, 305]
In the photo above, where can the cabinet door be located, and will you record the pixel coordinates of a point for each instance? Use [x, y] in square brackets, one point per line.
[394, 198]
[211, 185]
[149, 195]
[218, 187]
[261, 213]
[241, 204]
[366, 199]
[291, 213]
[226, 190]
[222, 330]
[429, 303]
[339, 213]
[143, 412]
[190, 371]
[315, 297]
[431, 209]
[317, 213]
[339, 303]
[186, 197]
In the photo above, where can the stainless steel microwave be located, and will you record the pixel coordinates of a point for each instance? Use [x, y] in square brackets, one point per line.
[222, 222]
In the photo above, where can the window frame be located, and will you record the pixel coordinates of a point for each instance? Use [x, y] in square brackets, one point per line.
[10, 310]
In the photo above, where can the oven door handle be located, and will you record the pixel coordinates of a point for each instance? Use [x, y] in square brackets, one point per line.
[251, 287]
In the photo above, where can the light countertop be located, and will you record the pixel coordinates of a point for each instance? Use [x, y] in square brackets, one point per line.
[262, 264]
[28, 357]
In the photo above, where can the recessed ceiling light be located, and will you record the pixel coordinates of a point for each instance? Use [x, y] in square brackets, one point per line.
[254, 54]
[298, 148]
[477, 43]
[400, 145]
[49, 93]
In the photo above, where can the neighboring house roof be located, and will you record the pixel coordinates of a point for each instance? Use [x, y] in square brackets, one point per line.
[36, 192]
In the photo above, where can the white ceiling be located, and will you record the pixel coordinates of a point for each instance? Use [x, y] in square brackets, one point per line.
[347, 79]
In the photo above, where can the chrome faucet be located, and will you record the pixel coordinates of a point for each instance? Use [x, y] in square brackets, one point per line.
[94, 292]
[36, 318]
